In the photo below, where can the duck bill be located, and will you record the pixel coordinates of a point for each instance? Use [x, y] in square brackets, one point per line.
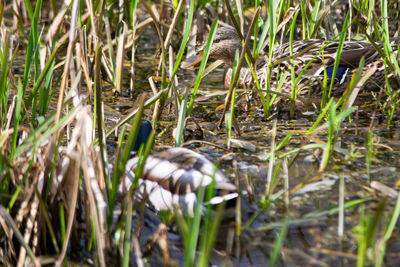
[192, 61]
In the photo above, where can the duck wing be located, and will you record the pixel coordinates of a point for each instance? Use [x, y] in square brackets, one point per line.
[324, 52]
[180, 171]
[172, 177]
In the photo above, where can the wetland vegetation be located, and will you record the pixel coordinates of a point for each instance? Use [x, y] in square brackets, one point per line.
[317, 174]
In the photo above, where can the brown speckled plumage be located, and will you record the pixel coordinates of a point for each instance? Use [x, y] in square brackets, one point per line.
[310, 58]
[173, 176]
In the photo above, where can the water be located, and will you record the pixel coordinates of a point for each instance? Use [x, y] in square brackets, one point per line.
[310, 239]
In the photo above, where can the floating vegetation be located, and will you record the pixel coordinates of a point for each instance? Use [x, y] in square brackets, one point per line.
[308, 92]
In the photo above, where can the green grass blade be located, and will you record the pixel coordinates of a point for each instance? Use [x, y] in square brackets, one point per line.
[180, 127]
[202, 65]
[338, 55]
[185, 39]
[389, 231]
[279, 243]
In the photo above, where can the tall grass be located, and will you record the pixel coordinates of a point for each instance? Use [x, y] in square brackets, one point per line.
[59, 178]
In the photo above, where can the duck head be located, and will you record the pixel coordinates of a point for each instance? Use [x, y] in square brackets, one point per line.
[145, 129]
[224, 46]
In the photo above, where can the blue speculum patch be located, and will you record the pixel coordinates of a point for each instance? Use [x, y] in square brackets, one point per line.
[340, 73]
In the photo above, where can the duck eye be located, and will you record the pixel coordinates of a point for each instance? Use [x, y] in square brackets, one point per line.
[216, 41]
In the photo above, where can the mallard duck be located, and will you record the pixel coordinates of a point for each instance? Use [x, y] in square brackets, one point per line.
[171, 177]
[311, 58]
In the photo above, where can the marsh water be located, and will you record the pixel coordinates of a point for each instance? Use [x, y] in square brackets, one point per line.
[311, 206]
